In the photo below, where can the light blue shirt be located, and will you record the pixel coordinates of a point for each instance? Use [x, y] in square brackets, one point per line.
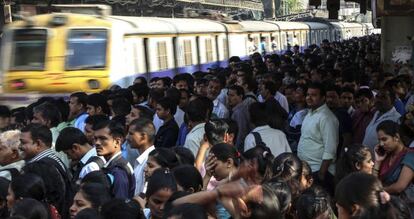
[371, 138]
[194, 138]
[220, 110]
[319, 139]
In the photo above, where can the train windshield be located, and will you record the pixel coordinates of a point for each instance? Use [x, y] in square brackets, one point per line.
[29, 49]
[86, 49]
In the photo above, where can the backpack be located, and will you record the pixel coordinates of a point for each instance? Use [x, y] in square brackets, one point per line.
[97, 160]
[122, 164]
[66, 178]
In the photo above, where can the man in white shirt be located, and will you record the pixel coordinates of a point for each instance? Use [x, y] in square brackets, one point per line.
[198, 112]
[213, 91]
[273, 138]
[141, 136]
[320, 137]
[384, 103]
[75, 145]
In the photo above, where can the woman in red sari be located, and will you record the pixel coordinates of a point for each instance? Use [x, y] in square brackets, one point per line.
[394, 162]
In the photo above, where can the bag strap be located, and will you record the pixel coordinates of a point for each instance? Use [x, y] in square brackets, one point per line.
[95, 159]
[258, 138]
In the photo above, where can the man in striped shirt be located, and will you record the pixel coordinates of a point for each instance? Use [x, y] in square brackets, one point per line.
[36, 144]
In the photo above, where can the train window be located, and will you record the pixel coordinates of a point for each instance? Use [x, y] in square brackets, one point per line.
[225, 49]
[209, 50]
[86, 49]
[303, 38]
[188, 56]
[29, 49]
[162, 55]
[277, 42]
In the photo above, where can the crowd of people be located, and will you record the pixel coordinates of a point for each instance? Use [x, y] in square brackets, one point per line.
[315, 134]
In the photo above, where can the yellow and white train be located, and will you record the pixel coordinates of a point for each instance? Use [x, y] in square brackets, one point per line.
[63, 53]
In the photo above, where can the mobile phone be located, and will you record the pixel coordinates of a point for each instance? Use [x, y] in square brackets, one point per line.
[380, 150]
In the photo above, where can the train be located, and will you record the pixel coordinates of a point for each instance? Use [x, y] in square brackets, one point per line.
[64, 52]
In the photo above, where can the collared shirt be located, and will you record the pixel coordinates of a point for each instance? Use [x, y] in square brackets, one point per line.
[350, 110]
[241, 116]
[90, 167]
[319, 139]
[371, 138]
[194, 138]
[4, 170]
[79, 122]
[47, 153]
[139, 167]
[220, 110]
[108, 162]
[282, 100]
[273, 138]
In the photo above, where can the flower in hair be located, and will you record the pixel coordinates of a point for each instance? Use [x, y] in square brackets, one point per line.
[346, 149]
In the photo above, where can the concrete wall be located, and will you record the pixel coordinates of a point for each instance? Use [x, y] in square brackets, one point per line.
[395, 31]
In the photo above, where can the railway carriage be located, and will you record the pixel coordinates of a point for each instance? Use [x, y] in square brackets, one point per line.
[63, 53]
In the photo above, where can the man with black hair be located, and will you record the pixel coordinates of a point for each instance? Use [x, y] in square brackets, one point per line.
[4, 117]
[109, 136]
[213, 92]
[89, 123]
[77, 110]
[320, 137]
[200, 87]
[263, 133]
[168, 133]
[239, 112]
[97, 105]
[341, 113]
[75, 145]
[384, 103]
[140, 93]
[198, 113]
[120, 109]
[141, 136]
[364, 111]
[180, 82]
[36, 143]
[347, 99]
[139, 111]
[48, 114]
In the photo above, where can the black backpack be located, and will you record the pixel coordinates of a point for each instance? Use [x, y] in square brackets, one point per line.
[69, 187]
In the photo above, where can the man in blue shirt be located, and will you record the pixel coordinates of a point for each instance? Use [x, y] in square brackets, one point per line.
[108, 140]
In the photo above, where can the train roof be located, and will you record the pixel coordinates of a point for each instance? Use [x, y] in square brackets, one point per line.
[285, 25]
[156, 25]
[316, 25]
[258, 26]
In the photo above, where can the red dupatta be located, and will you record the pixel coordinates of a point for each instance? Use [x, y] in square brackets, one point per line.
[387, 169]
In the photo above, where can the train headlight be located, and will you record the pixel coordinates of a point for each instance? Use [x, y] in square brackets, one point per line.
[93, 84]
[18, 84]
